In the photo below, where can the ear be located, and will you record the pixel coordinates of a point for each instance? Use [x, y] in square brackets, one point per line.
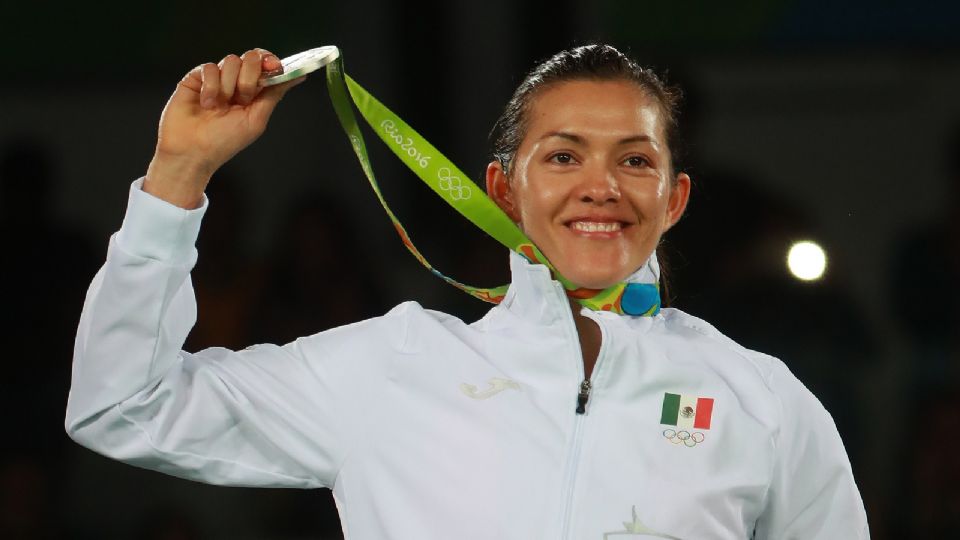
[677, 203]
[500, 190]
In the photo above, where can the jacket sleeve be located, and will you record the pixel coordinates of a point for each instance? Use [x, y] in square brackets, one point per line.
[265, 416]
[812, 494]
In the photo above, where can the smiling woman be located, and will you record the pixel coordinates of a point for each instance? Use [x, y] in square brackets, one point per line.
[541, 420]
[591, 182]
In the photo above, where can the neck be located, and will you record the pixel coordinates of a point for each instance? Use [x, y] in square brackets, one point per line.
[590, 338]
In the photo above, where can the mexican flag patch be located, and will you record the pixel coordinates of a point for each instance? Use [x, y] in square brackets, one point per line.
[685, 411]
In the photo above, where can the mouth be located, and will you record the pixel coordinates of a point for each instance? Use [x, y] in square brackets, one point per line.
[597, 228]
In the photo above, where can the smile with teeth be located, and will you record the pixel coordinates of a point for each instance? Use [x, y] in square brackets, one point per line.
[593, 226]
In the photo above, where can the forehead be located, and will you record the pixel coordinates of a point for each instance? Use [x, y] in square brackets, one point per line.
[594, 109]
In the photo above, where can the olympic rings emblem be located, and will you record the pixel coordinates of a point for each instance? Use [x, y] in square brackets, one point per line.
[683, 437]
[453, 184]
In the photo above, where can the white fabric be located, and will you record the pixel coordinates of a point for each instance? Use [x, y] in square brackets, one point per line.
[648, 273]
[430, 428]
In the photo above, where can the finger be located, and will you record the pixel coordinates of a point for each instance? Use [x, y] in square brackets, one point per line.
[188, 89]
[249, 74]
[210, 75]
[270, 61]
[229, 71]
[193, 79]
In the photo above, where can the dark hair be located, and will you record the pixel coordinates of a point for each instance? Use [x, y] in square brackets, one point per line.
[587, 62]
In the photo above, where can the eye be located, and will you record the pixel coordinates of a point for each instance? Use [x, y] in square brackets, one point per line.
[637, 161]
[562, 158]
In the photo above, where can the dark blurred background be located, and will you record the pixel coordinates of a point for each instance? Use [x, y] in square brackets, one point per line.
[837, 122]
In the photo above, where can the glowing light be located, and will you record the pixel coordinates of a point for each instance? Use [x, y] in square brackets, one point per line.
[807, 261]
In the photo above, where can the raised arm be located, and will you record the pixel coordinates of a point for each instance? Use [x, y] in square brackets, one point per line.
[264, 416]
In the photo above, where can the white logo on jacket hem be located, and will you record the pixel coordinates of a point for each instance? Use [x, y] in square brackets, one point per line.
[637, 528]
[497, 385]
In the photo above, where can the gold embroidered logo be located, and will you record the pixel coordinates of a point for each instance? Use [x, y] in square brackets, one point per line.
[497, 385]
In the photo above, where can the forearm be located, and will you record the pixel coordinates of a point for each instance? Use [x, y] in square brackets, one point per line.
[139, 307]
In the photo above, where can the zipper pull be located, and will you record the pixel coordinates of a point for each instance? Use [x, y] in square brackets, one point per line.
[583, 396]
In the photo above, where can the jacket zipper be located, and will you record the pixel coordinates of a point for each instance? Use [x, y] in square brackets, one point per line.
[570, 477]
[583, 396]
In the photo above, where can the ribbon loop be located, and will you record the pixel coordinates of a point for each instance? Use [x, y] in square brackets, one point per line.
[456, 188]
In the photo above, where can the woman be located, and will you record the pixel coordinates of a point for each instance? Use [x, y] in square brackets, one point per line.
[538, 421]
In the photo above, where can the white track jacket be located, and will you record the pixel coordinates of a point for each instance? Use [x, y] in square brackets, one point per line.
[426, 427]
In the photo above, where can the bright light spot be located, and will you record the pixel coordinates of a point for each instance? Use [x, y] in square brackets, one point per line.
[806, 261]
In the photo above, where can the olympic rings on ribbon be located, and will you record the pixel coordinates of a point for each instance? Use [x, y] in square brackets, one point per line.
[453, 184]
[685, 437]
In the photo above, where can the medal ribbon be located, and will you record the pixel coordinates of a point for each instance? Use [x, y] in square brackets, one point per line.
[454, 187]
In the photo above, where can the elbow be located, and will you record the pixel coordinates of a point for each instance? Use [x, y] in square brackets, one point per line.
[73, 426]
[70, 420]
[91, 432]
[76, 435]
[77, 424]
[72, 417]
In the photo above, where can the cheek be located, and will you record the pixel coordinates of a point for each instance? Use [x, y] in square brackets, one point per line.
[528, 213]
[535, 202]
[539, 207]
[650, 201]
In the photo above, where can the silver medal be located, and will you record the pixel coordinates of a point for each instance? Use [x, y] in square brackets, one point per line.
[301, 64]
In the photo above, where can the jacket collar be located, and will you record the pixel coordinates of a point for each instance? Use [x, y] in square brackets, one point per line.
[534, 294]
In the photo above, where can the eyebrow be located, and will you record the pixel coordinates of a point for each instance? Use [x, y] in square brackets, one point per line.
[577, 139]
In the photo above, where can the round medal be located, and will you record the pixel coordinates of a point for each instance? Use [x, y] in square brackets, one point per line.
[300, 64]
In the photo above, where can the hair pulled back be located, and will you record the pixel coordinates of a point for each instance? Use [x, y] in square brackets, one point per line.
[588, 62]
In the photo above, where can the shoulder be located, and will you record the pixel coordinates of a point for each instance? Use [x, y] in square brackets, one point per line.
[724, 351]
[732, 361]
[400, 330]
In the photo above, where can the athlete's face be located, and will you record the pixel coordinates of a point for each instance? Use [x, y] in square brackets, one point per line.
[591, 184]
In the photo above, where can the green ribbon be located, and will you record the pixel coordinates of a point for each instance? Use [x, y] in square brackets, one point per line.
[455, 187]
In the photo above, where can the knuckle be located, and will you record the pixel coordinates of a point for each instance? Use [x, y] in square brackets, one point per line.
[246, 88]
[229, 59]
[208, 71]
[195, 72]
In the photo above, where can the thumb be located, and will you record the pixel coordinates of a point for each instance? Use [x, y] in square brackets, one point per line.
[267, 100]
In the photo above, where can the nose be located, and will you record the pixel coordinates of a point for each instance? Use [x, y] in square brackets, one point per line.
[599, 186]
